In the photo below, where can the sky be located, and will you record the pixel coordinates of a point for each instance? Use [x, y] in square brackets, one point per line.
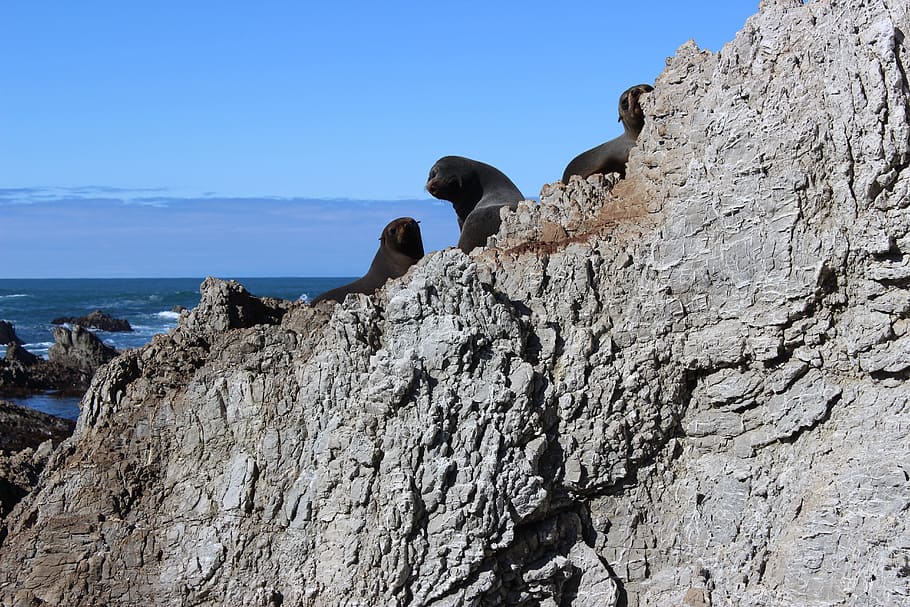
[278, 138]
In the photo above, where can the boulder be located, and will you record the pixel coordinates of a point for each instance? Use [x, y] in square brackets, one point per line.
[79, 348]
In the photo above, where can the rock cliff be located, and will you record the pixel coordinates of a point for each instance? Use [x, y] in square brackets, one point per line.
[685, 388]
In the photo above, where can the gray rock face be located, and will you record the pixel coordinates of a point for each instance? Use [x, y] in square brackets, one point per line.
[687, 388]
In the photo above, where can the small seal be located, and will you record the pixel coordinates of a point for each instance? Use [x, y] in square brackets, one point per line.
[477, 191]
[400, 247]
[612, 156]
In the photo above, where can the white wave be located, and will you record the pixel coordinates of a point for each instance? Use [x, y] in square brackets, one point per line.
[304, 298]
[14, 295]
[39, 345]
[169, 315]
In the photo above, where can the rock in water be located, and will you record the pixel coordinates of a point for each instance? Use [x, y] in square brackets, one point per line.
[688, 389]
[79, 348]
[96, 320]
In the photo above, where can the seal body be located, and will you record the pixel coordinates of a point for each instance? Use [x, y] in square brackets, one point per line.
[400, 247]
[612, 156]
[477, 191]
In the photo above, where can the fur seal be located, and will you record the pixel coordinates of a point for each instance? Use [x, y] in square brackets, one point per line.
[612, 156]
[400, 247]
[477, 191]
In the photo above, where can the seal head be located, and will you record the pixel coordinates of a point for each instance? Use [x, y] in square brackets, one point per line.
[630, 113]
[477, 191]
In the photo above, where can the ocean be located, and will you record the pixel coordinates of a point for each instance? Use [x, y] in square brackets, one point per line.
[147, 303]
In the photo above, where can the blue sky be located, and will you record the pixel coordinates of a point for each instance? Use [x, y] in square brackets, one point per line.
[278, 138]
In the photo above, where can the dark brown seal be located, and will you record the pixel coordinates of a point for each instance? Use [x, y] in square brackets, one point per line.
[400, 247]
[612, 156]
[477, 191]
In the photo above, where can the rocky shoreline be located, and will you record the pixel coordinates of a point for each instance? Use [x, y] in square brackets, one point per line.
[26, 442]
[72, 360]
[685, 387]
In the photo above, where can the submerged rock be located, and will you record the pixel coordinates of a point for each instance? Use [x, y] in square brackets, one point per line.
[685, 387]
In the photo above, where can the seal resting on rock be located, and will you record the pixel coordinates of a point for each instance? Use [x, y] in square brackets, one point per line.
[400, 247]
[612, 156]
[477, 191]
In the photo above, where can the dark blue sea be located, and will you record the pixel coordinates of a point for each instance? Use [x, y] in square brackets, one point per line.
[147, 303]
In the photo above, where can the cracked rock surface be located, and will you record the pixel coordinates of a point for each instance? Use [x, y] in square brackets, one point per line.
[688, 387]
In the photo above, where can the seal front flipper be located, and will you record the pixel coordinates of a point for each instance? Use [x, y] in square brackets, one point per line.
[482, 223]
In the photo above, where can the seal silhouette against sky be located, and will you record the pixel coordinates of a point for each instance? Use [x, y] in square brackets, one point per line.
[477, 192]
[612, 156]
[400, 247]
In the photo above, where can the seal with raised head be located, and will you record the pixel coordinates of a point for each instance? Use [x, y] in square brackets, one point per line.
[612, 156]
[400, 247]
[477, 191]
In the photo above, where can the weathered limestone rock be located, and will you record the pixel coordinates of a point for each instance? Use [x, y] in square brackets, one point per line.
[685, 388]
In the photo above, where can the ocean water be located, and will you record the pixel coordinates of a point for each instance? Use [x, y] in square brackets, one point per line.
[147, 303]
